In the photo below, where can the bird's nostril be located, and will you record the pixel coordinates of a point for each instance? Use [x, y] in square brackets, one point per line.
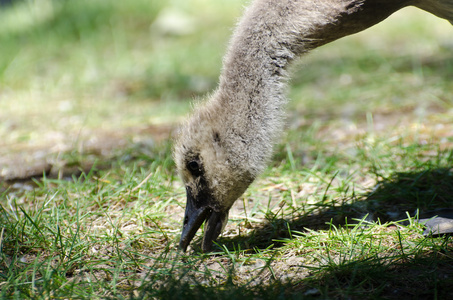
[186, 220]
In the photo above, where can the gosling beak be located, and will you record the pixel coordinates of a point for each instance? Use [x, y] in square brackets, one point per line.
[194, 217]
[213, 228]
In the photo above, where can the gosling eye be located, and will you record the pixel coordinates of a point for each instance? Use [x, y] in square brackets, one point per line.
[194, 167]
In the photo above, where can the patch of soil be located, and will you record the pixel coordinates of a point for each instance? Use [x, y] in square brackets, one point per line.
[64, 157]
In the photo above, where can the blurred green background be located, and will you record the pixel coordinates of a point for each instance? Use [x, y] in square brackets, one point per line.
[101, 74]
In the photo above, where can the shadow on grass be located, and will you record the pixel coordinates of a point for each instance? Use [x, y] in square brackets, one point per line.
[422, 274]
[428, 193]
[427, 276]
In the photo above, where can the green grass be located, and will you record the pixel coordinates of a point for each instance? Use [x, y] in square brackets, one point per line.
[94, 89]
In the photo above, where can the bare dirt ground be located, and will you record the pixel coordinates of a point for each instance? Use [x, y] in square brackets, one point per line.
[23, 161]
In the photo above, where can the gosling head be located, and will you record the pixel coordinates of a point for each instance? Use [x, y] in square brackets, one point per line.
[214, 165]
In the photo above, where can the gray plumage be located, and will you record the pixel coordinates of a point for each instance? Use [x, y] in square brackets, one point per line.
[228, 140]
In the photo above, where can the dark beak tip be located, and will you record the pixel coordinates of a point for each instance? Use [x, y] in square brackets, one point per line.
[183, 246]
[207, 247]
[193, 220]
